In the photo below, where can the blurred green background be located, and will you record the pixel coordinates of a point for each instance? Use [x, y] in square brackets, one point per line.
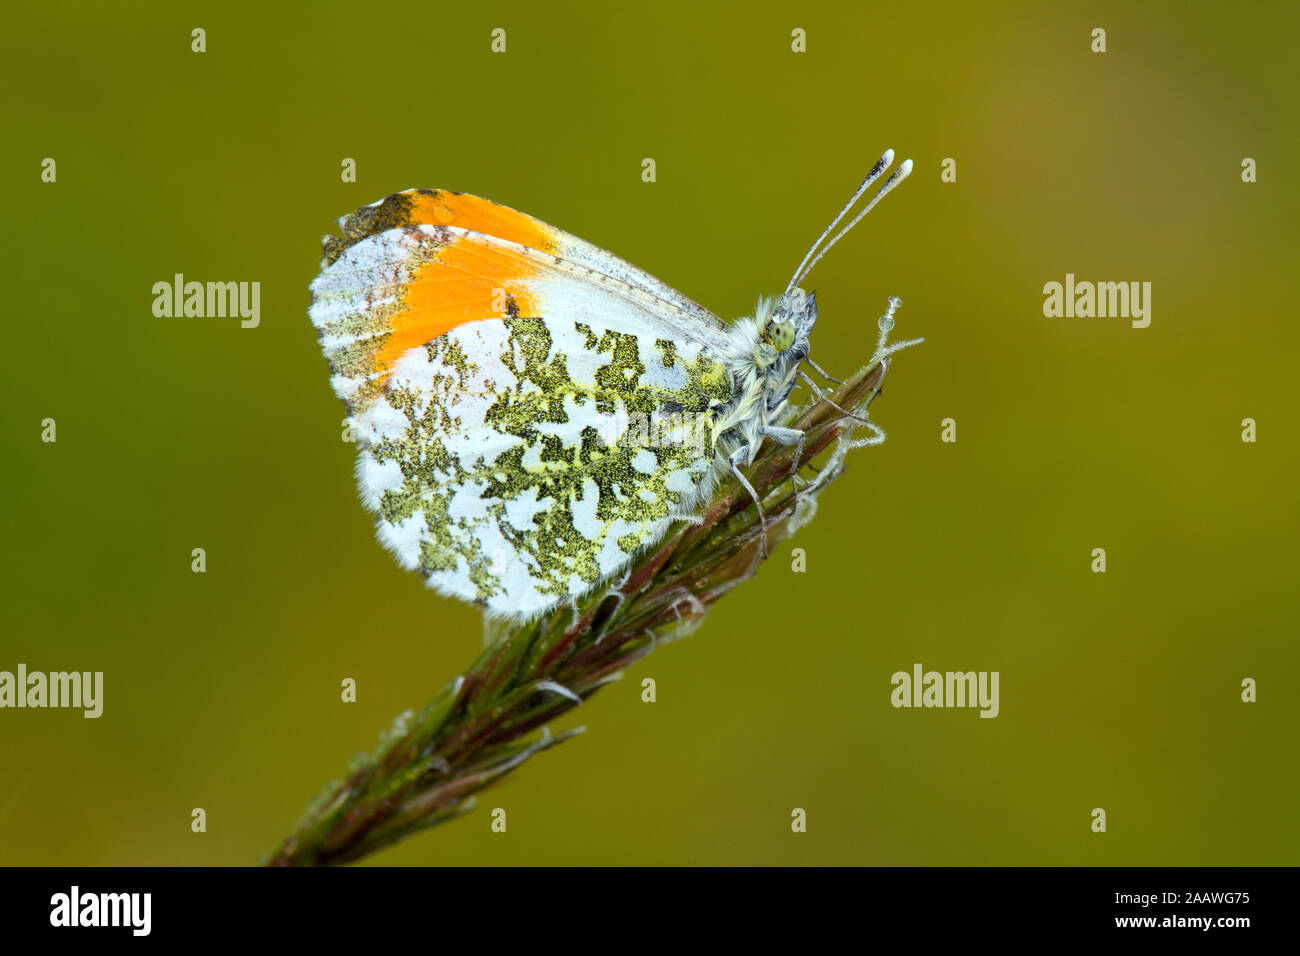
[1119, 691]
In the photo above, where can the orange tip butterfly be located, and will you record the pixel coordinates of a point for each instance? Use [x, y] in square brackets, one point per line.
[532, 411]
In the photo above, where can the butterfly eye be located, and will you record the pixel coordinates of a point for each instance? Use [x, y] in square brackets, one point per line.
[781, 335]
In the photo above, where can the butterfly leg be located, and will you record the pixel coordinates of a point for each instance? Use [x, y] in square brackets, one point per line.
[740, 454]
[782, 436]
[822, 372]
[787, 437]
[821, 396]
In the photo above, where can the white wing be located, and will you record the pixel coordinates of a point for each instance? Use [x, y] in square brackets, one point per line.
[508, 457]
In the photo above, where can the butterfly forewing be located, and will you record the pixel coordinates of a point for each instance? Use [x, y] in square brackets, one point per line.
[500, 393]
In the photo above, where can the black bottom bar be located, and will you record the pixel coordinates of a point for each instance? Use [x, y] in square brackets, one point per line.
[573, 907]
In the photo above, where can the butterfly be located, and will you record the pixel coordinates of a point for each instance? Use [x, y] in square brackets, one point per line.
[532, 411]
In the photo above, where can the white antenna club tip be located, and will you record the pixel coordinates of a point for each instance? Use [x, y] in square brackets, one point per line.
[904, 168]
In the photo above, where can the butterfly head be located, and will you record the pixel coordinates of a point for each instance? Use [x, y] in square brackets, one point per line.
[783, 328]
[791, 323]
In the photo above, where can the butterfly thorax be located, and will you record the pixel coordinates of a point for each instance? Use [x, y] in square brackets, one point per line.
[764, 363]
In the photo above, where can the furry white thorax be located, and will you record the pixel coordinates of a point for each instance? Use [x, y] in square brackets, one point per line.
[763, 376]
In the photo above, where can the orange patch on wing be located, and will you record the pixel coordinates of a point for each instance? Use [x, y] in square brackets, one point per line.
[439, 207]
[466, 281]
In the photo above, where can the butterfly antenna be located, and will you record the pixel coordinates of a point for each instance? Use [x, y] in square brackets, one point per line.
[901, 173]
[882, 164]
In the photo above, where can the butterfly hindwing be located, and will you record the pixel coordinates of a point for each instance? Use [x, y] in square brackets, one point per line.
[504, 464]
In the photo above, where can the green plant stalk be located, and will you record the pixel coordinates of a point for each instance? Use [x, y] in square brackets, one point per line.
[428, 766]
